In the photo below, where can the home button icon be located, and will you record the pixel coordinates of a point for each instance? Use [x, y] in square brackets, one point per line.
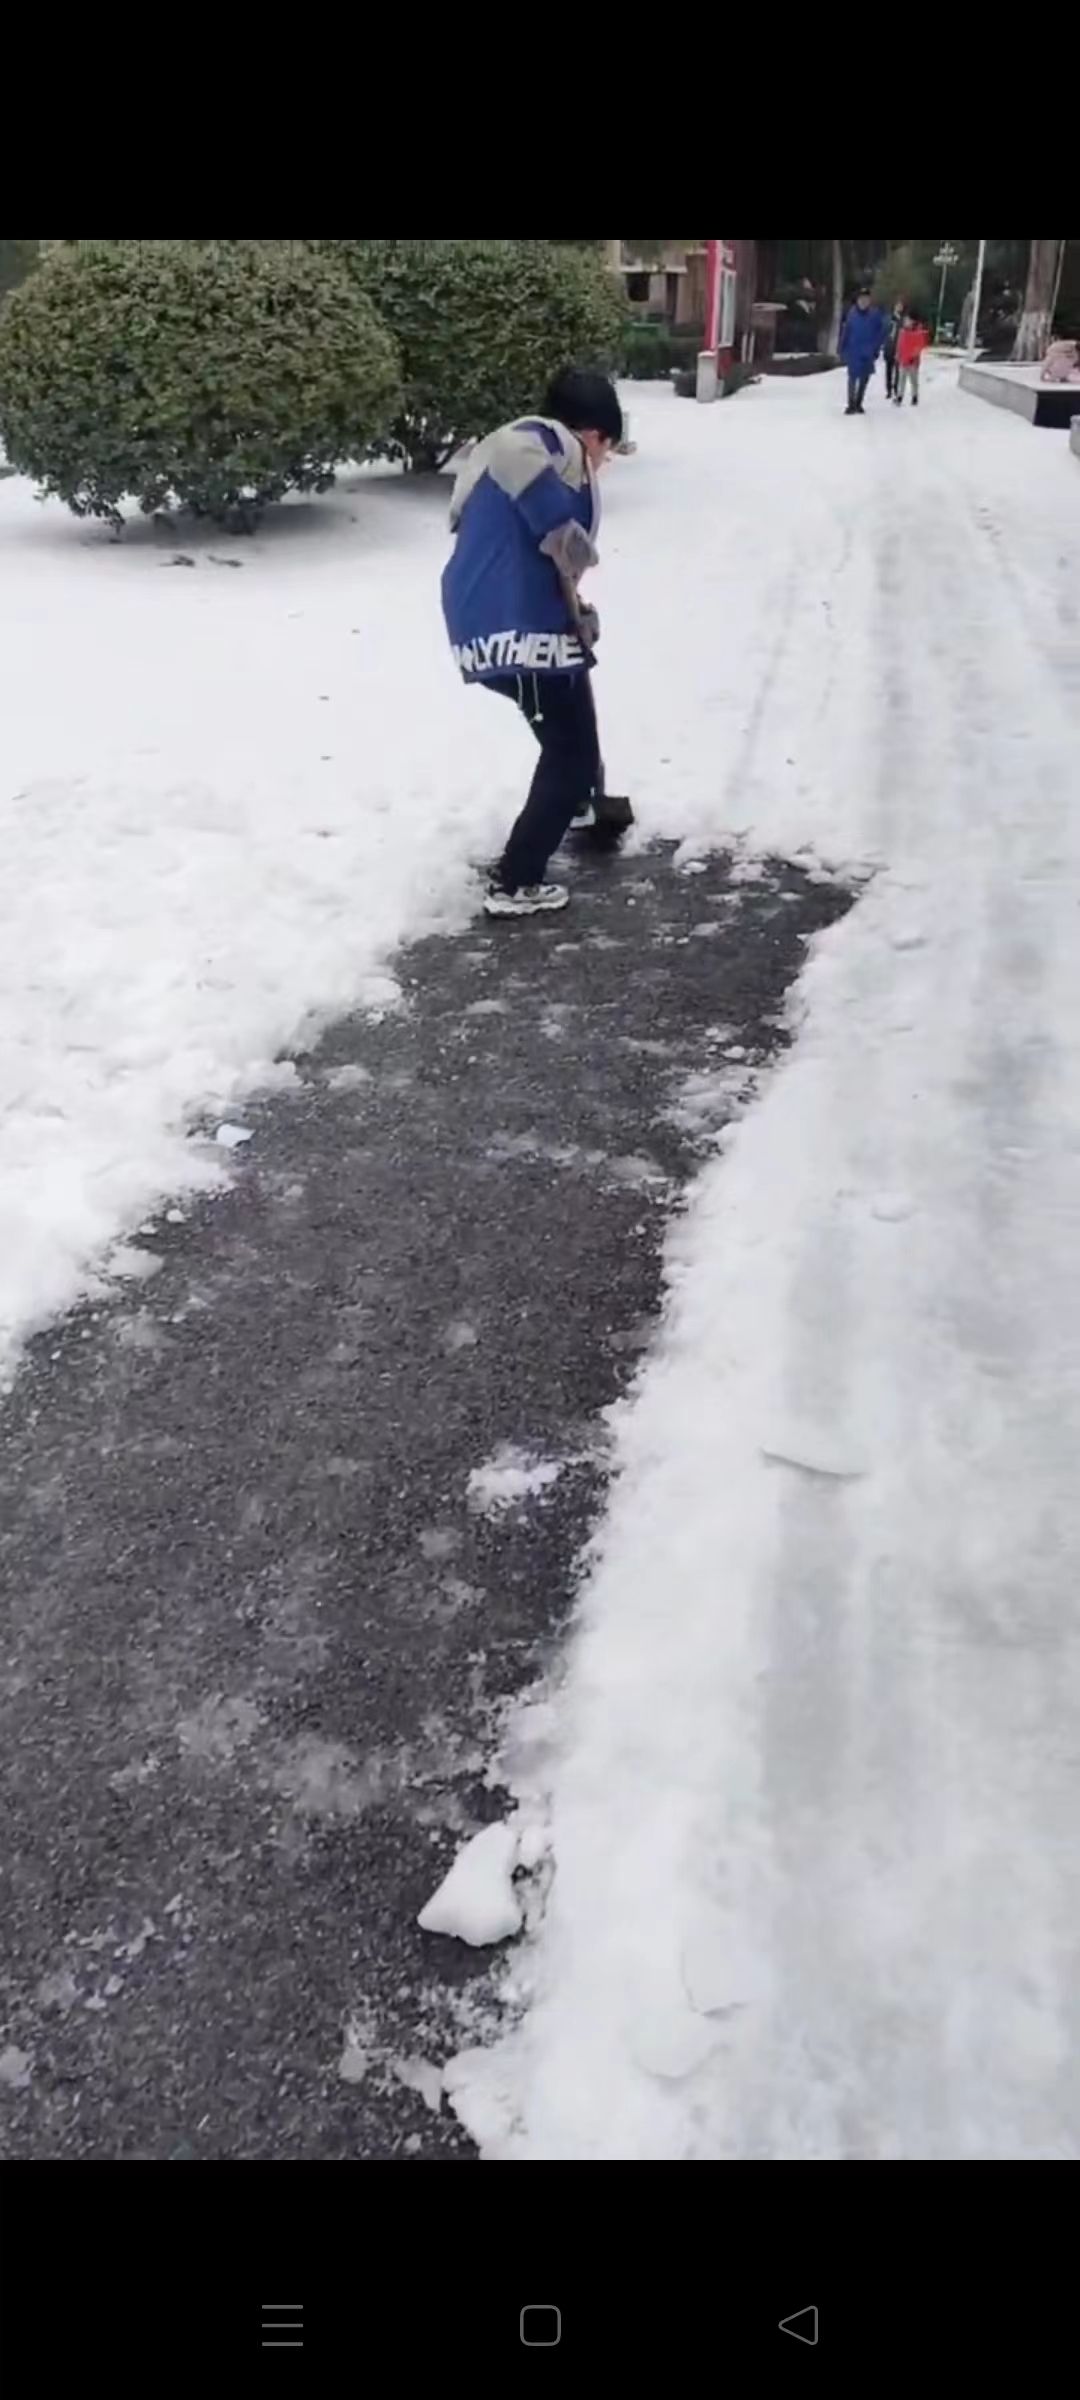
[541, 2328]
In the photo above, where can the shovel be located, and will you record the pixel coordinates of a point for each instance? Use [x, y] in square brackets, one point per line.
[612, 810]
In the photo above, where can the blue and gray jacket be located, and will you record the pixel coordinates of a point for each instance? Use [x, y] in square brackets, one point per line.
[525, 510]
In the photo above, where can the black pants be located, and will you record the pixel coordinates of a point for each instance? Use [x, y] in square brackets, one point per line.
[856, 388]
[892, 375]
[562, 714]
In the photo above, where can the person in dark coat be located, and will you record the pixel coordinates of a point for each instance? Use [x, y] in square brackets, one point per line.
[860, 347]
[893, 324]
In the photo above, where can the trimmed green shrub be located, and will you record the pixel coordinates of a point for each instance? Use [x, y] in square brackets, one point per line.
[211, 375]
[482, 326]
[650, 350]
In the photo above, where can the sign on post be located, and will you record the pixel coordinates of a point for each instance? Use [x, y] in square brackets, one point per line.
[944, 258]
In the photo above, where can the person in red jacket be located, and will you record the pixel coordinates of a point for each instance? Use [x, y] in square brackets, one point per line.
[912, 340]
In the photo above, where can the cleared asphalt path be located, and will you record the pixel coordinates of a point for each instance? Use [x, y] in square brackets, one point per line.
[255, 1639]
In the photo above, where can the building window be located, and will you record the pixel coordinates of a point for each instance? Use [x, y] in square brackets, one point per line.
[637, 287]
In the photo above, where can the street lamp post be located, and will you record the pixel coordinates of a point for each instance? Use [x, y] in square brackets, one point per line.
[976, 303]
[944, 258]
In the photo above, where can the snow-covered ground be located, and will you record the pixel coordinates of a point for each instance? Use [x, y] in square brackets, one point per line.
[815, 1772]
[813, 1775]
[227, 790]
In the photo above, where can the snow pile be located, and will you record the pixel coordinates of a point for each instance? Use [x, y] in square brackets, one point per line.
[477, 1902]
[509, 1478]
[483, 1898]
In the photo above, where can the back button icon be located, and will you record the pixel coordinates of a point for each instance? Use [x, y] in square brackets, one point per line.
[803, 2326]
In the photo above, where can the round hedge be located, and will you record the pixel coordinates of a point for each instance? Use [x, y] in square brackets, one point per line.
[211, 375]
[482, 327]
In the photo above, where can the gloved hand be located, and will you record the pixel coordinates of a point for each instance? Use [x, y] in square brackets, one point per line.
[589, 624]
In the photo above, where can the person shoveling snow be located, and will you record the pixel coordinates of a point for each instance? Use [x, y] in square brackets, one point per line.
[525, 511]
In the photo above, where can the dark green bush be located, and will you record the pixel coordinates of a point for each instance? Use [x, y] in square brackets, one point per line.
[213, 375]
[651, 350]
[796, 333]
[482, 326]
[801, 363]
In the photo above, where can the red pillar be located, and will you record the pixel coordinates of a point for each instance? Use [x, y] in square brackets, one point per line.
[717, 350]
[713, 256]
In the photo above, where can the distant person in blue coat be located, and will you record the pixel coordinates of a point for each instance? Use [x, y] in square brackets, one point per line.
[525, 511]
[860, 345]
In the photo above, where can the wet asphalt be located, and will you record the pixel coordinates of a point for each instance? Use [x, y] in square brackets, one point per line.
[256, 1636]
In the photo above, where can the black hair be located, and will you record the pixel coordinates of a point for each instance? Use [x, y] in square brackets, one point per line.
[586, 402]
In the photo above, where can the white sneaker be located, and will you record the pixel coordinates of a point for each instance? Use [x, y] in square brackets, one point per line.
[531, 901]
[585, 818]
